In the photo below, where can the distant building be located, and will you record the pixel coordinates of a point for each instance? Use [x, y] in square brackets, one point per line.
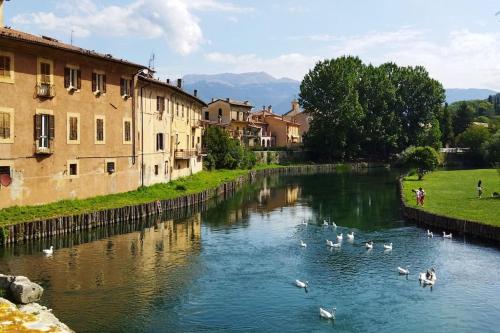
[298, 116]
[169, 128]
[275, 130]
[234, 116]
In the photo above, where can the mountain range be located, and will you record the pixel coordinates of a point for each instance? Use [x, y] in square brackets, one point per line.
[260, 88]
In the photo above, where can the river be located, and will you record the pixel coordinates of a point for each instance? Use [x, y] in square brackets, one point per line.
[231, 266]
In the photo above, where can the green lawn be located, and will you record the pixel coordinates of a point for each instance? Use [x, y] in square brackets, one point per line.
[454, 194]
[192, 184]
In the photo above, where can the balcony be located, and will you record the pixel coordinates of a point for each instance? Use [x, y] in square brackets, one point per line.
[45, 90]
[185, 154]
[196, 123]
[44, 150]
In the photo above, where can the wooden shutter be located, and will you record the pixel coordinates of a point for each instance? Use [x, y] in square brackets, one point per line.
[131, 87]
[78, 79]
[122, 87]
[104, 83]
[38, 126]
[73, 128]
[66, 77]
[52, 125]
[94, 82]
[4, 125]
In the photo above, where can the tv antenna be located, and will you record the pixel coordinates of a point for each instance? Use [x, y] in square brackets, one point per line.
[152, 61]
[72, 36]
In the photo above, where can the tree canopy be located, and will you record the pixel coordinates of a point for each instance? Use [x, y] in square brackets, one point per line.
[363, 111]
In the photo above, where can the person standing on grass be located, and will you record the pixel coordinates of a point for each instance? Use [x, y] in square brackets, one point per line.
[479, 189]
[422, 196]
[417, 195]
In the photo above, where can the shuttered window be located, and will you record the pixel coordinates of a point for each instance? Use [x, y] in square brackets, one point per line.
[44, 130]
[72, 78]
[73, 128]
[45, 72]
[160, 143]
[5, 66]
[99, 129]
[127, 131]
[98, 83]
[125, 87]
[4, 125]
[160, 104]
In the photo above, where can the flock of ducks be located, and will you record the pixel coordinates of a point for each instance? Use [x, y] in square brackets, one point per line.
[428, 278]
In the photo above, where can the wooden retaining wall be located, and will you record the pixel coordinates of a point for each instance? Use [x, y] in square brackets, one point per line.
[448, 224]
[72, 224]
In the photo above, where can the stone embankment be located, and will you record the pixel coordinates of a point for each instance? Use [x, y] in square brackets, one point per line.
[28, 316]
[72, 224]
[449, 224]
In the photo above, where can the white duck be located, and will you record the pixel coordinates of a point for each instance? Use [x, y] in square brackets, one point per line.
[430, 234]
[350, 236]
[334, 225]
[388, 246]
[48, 251]
[301, 284]
[447, 236]
[428, 281]
[329, 243]
[303, 244]
[327, 315]
[304, 222]
[403, 271]
[325, 223]
[340, 237]
[369, 245]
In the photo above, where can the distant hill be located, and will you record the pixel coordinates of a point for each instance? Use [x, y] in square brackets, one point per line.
[259, 88]
[454, 95]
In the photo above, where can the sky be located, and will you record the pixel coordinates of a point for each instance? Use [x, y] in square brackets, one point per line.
[458, 41]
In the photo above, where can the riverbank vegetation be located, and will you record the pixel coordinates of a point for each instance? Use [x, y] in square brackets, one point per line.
[454, 194]
[183, 186]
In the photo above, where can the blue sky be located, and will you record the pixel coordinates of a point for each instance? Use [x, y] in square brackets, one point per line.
[457, 41]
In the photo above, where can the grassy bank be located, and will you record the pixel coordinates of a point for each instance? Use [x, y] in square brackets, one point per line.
[188, 185]
[454, 194]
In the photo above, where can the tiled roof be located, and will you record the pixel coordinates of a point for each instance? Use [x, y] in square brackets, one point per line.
[233, 102]
[174, 87]
[8, 33]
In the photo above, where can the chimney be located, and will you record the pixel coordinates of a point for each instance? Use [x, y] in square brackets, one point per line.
[270, 108]
[213, 99]
[168, 81]
[227, 99]
[295, 105]
[179, 83]
[195, 93]
[1, 13]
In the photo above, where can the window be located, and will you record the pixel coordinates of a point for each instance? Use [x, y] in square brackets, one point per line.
[157, 169]
[110, 167]
[192, 141]
[159, 141]
[127, 131]
[207, 115]
[73, 128]
[177, 110]
[6, 67]
[187, 141]
[166, 168]
[44, 87]
[125, 87]
[5, 170]
[182, 110]
[45, 73]
[160, 104]
[73, 169]
[98, 83]
[44, 131]
[220, 112]
[100, 137]
[72, 78]
[5, 126]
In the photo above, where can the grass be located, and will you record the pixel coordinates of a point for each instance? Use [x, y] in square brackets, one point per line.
[188, 185]
[454, 194]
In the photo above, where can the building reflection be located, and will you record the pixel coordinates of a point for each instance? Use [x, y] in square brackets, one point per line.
[130, 271]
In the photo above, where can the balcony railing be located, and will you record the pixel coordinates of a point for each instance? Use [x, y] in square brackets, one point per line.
[41, 150]
[185, 154]
[45, 90]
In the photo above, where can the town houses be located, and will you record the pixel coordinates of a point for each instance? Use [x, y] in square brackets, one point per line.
[75, 123]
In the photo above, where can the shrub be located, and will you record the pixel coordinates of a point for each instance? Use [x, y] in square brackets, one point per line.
[423, 159]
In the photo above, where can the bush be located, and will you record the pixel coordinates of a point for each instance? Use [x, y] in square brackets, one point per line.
[423, 159]
[491, 150]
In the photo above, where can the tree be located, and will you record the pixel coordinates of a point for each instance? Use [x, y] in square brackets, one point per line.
[423, 159]
[463, 118]
[491, 150]
[473, 138]
[224, 152]
[446, 126]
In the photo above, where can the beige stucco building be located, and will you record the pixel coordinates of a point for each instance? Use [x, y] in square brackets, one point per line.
[66, 121]
[234, 116]
[298, 116]
[275, 129]
[169, 129]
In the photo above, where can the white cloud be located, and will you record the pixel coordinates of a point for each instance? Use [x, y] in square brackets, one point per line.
[292, 65]
[171, 19]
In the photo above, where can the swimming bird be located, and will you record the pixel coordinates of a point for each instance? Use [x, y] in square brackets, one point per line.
[48, 251]
[403, 271]
[325, 223]
[447, 236]
[303, 244]
[340, 237]
[304, 222]
[430, 234]
[301, 284]
[369, 245]
[334, 225]
[388, 246]
[350, 236]
[327, 315]
[329, 243]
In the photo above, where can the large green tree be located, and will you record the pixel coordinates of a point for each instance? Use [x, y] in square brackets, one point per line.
[446, 126]
[463, 118]
[366, 111]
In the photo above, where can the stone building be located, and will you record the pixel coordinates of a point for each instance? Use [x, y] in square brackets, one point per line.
[298, 116]
[169, 127]
[275, 129]
[66, 121]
